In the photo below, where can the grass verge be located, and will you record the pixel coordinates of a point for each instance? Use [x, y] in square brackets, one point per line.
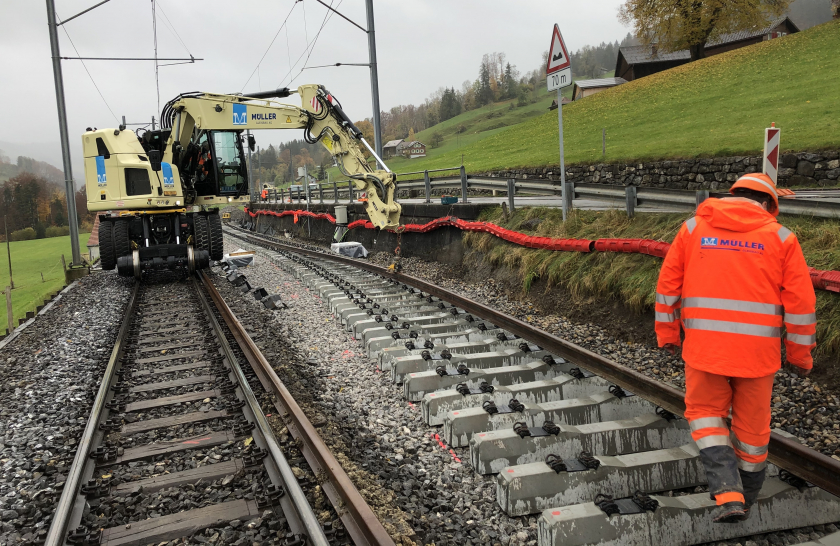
[631, 278]
[30, 259]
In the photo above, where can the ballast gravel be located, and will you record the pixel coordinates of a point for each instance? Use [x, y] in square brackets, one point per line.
[442, 499]
[49, 376]
[800, 406]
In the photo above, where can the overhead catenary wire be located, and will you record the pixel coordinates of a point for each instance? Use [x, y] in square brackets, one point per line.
[271, 44]
[167, 22]
[86, 70]
[309, 48]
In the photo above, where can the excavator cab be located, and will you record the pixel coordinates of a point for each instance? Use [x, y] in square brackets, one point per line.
[222, 170]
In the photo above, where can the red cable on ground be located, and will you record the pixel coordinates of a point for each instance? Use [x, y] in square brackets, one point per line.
[822, 280]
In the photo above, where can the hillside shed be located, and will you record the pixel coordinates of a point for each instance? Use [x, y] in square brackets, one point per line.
[584, 88]
[390, 148]
[554, 103]
[414, 149]
[636, 62]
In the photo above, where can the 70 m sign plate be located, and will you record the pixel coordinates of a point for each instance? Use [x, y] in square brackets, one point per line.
[560, 79]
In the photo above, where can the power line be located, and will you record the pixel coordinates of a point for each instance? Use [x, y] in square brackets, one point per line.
[310, 47]
[88, 72]
[271, 44]
[172, 28]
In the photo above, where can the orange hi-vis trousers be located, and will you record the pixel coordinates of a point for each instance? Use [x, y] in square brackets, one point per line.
[709, 398]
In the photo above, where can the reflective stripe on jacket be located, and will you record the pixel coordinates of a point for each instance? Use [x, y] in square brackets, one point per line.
[734, 277]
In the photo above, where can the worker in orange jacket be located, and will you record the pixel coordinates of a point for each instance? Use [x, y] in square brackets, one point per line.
[734, 276]
[264, 193]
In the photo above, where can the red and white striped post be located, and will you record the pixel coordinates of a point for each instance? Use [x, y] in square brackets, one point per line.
[771, 152]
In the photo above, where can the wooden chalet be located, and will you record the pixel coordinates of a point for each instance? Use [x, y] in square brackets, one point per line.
[636, 62]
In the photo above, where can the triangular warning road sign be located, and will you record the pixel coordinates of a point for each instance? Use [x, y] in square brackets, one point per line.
[558, 56]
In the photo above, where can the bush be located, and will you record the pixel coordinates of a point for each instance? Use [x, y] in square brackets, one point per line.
[58, 231]
[40, 230]
[23, 234]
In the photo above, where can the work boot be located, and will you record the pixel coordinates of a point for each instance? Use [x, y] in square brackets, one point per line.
[730, 512]
[752, 482]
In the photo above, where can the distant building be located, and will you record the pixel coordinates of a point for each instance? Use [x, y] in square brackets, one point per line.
[554, 103]
[390, 148]
[584, 88]
[414, 149]
[312, 179]
[636, 62]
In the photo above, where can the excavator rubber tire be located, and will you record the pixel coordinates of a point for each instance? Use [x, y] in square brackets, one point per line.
[217, 248]
[202, 241]
[122, 243]
[107, 257]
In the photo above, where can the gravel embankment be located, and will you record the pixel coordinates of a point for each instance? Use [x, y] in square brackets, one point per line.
[381, 440]
[49, 376]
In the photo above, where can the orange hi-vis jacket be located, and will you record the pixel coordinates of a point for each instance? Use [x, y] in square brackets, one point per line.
[733, 276]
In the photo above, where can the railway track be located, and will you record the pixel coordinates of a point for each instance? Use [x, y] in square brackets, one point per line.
[181, 440]
[599, 452]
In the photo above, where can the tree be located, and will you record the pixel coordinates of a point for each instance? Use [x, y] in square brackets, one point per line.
[691, 24]
[268, 157]
[485, 92]
[435, 139]
[411, 135]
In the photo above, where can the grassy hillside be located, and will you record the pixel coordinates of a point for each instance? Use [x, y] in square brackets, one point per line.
[717, 106]
[29, 260]
[631, 278]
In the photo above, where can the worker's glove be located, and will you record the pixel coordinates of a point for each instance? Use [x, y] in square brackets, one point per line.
[796, 370]
[671, 348]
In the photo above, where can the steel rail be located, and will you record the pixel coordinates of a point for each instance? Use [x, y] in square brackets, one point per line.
[785, 453]
[307, 516]
[358, 518]
[57, 534]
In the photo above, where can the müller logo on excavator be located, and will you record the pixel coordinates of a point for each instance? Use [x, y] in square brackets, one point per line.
[240, 114]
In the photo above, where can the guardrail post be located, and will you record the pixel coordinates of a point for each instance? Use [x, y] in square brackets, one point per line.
[282, 196]
[630, 199]
[511, 190]
[335, 192]
[463, 184]
[568, 196]
[701, 196]
[428, 186]
[321, 193]
[350, 187]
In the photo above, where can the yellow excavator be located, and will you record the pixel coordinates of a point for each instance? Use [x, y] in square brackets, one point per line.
[163, 188]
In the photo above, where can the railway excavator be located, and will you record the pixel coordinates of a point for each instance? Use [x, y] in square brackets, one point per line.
[162, 189]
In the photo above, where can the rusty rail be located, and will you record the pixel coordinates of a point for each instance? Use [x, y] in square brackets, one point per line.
[358, 518]
[785, 453]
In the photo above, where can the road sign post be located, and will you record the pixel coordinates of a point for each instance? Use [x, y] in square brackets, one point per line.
[559, 75]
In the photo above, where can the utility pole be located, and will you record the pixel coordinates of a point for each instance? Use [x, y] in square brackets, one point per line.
[69, 186]
[255, 191]
[374, 79]
[9, 252]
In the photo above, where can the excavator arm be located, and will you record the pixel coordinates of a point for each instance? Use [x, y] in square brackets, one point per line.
[190, 116]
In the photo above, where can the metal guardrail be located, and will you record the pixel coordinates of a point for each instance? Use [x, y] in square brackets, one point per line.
[627, 197]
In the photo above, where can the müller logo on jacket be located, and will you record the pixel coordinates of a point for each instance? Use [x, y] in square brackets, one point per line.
[715, 243]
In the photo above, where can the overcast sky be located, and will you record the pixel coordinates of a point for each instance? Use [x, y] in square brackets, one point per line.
[421, 46]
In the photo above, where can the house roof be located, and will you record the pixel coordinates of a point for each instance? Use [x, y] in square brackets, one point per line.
[642, 54]
[392, 143]
[413, 143]
[602, 82]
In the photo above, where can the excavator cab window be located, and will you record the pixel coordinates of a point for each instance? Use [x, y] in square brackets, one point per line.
[230, 161]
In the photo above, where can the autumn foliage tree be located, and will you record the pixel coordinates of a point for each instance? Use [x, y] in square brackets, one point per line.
[691, 24]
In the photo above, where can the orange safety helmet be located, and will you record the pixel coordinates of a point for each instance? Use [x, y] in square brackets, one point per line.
[762, 183]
